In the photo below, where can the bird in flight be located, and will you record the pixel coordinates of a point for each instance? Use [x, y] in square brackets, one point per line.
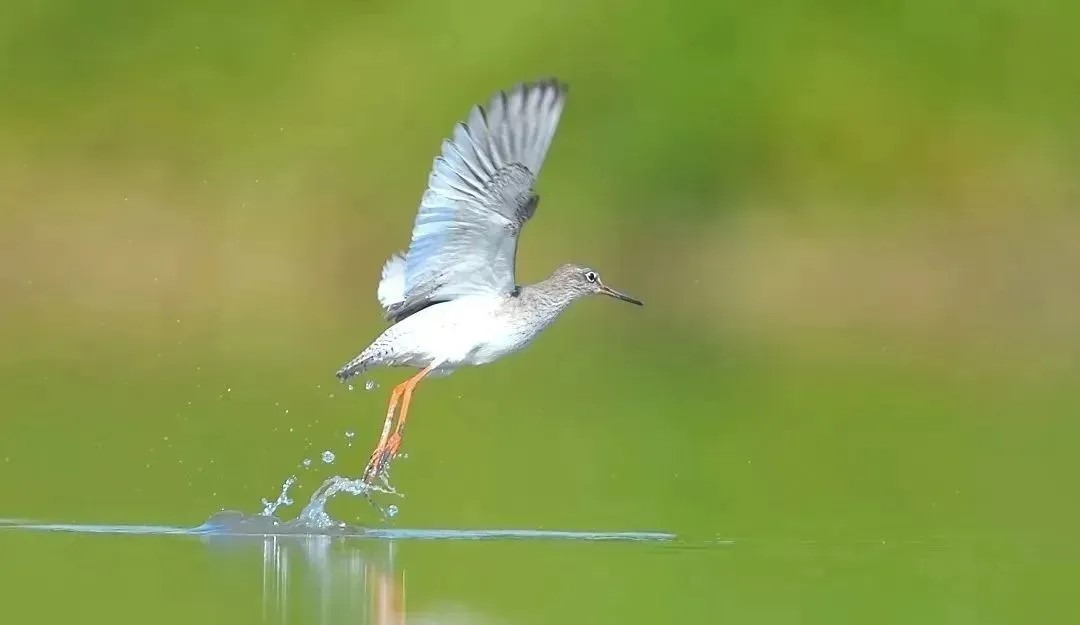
[451, 297]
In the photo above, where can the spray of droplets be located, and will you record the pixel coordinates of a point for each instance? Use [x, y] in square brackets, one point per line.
[314, 513]
[270, 507]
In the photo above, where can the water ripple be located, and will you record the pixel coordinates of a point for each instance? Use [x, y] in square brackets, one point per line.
[231, 523]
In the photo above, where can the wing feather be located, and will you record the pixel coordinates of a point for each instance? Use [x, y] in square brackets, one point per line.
[479, 196]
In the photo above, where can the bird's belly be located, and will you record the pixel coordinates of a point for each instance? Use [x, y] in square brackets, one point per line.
[488, 351]
[464, 332]
[487, 341]
[499, 339]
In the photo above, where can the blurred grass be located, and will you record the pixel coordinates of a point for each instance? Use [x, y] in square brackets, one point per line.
[853, 226]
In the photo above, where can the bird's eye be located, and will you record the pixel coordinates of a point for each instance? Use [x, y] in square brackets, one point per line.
[591, 276]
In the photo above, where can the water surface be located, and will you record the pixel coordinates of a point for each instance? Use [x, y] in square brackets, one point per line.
[204, 574]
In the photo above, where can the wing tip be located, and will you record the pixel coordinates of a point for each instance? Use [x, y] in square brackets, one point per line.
[517, 124]
[500, 97]
[543, 83]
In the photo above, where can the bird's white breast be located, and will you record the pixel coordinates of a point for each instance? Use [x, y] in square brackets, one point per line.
[471, 330]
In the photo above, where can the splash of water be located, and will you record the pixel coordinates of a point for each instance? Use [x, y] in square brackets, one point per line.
[314, 514]
[283, 499]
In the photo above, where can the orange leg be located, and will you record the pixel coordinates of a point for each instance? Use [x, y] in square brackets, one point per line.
[389, 444]
[395, 440]
[374, 461]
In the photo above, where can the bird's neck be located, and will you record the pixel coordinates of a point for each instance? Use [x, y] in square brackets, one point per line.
[545, 298]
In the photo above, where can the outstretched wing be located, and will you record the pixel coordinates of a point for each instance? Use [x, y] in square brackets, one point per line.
[479, 196]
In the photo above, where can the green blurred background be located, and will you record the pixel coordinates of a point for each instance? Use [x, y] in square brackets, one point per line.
[854, 226]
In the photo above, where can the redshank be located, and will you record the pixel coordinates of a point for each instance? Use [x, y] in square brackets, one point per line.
[452, 298]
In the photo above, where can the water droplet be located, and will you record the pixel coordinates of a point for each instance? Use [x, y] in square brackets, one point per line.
[391, 511]
[269, 507]
[370, 385]
[286, 411]
[328, 456]
[350, 387]
[228, 389]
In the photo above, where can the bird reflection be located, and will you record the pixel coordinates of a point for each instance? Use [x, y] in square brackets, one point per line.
[323, 580]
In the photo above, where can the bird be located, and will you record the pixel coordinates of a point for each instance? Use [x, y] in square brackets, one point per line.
[451, 297]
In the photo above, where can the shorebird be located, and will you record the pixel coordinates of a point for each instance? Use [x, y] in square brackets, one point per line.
[451, 297]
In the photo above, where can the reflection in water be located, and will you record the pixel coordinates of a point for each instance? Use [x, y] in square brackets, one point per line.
[323, 579]
[339, 574]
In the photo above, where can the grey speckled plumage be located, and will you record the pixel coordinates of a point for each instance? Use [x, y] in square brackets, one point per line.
[452, 297]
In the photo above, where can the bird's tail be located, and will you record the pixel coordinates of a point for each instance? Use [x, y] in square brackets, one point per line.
[356, 366]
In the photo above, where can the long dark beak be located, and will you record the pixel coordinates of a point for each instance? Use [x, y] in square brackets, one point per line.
[606, 290]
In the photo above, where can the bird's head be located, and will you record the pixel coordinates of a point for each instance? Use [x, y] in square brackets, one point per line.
[580, 280]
